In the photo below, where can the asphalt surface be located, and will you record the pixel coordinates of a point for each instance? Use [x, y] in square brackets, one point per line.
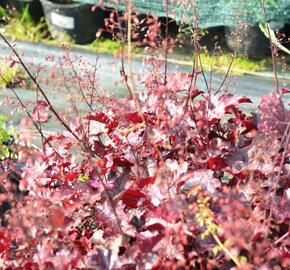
[47, 59]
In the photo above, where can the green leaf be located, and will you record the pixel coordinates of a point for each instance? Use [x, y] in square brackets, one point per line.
[4, 152]
[83, 178]
[4, 136]
[270, 34]
[3, 118]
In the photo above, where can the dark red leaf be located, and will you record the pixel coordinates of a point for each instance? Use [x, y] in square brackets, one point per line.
[285, 90]
[29, 265]
[82, 246]
[64, 164]
[13, 63]
[258, 236]
[180, 184]
[68, 146]
[103, 118]
[143, 182]
[222, 105]
[238, 100]
[131, 197]
[100, 117]
[216, 163]
[112, 124]
[133, 117]
[71, 176]
[4, 241]
[122, 162]
[231, 136]
[48, 139]
[248, 125]
[212, 135]
[150, 118]
[154, 227]
[41, 104]
[147, 244]
[98, 148]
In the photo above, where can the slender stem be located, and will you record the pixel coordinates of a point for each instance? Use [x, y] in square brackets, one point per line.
[123, 42]
[78, 82]
[111, 201]
[39, 122]
[43, 137]
[272, 49]
[282, 238]
[194, 73]
[123, 71]
[222, 246]
[38, 87]
[278, 176]
[203, 73]
[227, 73]
[85, 135]
[129, 51]
[166, 42]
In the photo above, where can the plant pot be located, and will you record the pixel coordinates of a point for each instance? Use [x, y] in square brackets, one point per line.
[34, 7]
[253, 43]
[74, 21]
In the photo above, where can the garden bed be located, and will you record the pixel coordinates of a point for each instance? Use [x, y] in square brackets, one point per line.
[173, 175]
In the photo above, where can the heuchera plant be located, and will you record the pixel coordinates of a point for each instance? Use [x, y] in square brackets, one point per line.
[174, 177]
[160, 187]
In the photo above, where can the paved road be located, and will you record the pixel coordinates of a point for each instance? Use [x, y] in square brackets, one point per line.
[35, 55]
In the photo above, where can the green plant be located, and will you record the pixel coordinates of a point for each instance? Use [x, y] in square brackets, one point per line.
[6, 135]
[205, 219]
[21, 26]
[221, 61]
[105, 45]
[8, 74]
[2, 12]
[270, 34]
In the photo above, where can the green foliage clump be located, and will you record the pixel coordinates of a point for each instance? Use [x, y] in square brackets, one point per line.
[8, 74]
[6, 134]
[222, 61]
[105, 46]
[21, 26]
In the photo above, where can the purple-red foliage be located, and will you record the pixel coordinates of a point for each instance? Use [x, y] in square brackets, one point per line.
[122, 196]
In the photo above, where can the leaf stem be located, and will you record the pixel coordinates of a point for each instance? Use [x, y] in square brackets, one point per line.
[226, 251]
[39, 88]
[272, 48]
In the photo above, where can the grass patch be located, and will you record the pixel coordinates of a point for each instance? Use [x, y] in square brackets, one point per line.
[9, 75]
[103, 45]
[219, 62]
[99, 45]
[21, 26]
[108, 46]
